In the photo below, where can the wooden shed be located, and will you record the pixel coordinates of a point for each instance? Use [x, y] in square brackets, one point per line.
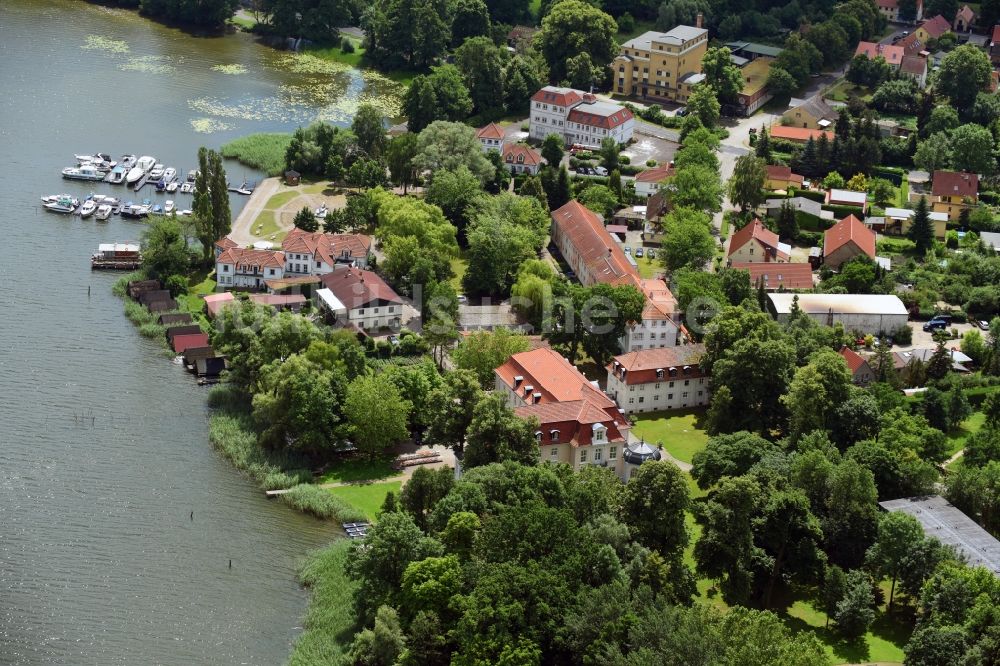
[210, 367]
[182, 343]
[186, 329]
[292, 177]
[165, 305]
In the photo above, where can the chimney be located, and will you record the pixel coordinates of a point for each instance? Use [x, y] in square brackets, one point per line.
[698, 20]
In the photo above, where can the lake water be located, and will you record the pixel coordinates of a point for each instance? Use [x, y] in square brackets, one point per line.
[103, 445]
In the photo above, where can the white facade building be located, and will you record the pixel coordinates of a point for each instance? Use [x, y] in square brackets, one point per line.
[244, 268]
[658, 379]
[579, 117]
[369, 303]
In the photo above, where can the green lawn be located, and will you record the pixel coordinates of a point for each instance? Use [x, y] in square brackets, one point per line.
[245, 23]
[649, 268]
[843, 89]
[883, 643]
[970, 426]
[280, 199]
[679, 430]
[334, 54]
[359, 469]
[458, 266]
[904, 193]
[199, 283]
[268, 227]
[367, 497]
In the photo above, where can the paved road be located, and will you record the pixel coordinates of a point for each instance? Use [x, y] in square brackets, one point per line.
[242, 232]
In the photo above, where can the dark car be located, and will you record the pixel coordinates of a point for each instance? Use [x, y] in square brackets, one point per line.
[681, 112]
[936, 324]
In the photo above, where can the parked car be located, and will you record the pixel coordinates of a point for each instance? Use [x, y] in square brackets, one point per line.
[983, 324]
[651, 254]
[638, 252]
[463, 299]
[601, 171]
[628, 250]
[681, 112]
[936, 324]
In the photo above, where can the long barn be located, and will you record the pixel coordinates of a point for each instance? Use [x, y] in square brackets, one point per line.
[877, 314]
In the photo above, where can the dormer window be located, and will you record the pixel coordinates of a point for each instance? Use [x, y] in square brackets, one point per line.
[538, 435]
[554, 435]
[659, 373]
[599, 431]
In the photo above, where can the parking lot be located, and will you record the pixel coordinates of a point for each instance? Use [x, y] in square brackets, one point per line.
[924, 339]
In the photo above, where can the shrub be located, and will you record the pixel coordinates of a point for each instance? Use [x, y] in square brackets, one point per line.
[321, 503]
[810, 194]
[624, 159]
[651, 163]
[903, 335]
[151, 330]
[810, 238]
[347, 46]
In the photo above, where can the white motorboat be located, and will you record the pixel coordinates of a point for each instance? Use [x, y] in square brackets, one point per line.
[192, 175]
[321, 212]
[117, 175]
[156, 172]
[127, 161]
[85, 172]
[187, 188]
[53, 198]
[96, 157]
[168, 207]
[172, 186]
[142, 166]
[186, 211]
[60, 206]
[88, 208]
[169, 174]
[103, 212]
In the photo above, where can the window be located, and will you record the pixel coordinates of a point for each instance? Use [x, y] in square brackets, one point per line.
[687, 382]
[631, 401]
[670, 396]
[671, 384]
[554, 453]
[538, 435]
[225, 268]
[656, 398]
[599, 434]
[631, 389]
[631, 474]
[361, 311]
[598, 454]
[613, 452]
[583, 455]
[657, 385]
[376, 310]
[685, 395]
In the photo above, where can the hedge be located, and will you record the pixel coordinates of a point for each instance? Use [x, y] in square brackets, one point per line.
[841, 212]
[809, 222]
[813, 195]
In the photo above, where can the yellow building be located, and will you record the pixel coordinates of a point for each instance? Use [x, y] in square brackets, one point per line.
[663, 65]
[813, 113]
[953, 191]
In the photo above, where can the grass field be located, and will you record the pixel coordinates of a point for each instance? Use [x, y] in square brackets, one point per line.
[458, 266]
[649, 268]
[359, 469]
[883, 643]
[330, 619]
[334, 54]
[280, 199]
[268, 225]
[367, 498]
[199, 284]
[842, 91]
[970, 426]
[679, 430]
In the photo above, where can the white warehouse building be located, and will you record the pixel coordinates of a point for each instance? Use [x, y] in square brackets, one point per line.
[877, 314]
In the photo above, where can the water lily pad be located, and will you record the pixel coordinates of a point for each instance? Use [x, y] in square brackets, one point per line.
[209, 125]
[234, 69]
[101, 43]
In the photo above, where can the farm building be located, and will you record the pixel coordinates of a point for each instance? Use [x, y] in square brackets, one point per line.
[862, 313]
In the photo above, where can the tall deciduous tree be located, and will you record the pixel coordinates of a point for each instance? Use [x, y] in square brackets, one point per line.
[720, 73]
[481, 63]
[898, 534]
[377, 412]
[483, 351]
[572, 27]
[703, 104]
[369, 129]
[688, 243]
[963, 73]
[746, 186]
[496, 434]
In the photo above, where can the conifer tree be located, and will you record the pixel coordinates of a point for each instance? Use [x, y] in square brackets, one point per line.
[921, 231]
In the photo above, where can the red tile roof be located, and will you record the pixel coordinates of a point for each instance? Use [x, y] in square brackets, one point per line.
[182, 342]
[754, 231]
[954, 184]
[777, 172]
[965, 13]
[891, 53]
[604, 258]
[936, 26]
[573, 422]
[551, 375]
[660, 302]
[641, 366]
[775, 276]
[996, 35]
[491, 131]
[243, 258]
[914, 64]
[888, 4]
[327, 248]
[854, 360]
[557, 96]
[801, 134]
[215, 302]
[225, 243]
[519, 153]
[602, 120]
[357, 288]
[656, 174]
[849, 230]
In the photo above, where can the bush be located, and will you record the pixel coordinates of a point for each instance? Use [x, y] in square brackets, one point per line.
[624, 159]
[347, 46]
[902, 335]
[626, 23]
[651, 163]
[151, 330]
[843, 211]
[261, 151]
[812, 195]
[810, 238]
[321, 503]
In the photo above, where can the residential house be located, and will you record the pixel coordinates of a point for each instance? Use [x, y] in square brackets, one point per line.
[754, 93]
[651, 180]
[315, 253]
[652, 380]
[877, 314]
[781, 178]
[774, 277]
[835, 197]
[521, 158]
[755, 243]
[490, 137]
[661, 65]
[915, 67]
[214, 303]
[577, 423]
[847, 239]
[279, 302]
[224, 244]
[953, 191]
[813, 113]
[932, 28]
[587, 247]
[245, 268]
[798, 134]
[891, 53]
[964, 19]
[861, 373]
[899, 220]
[995, 45]
[661, 318]
[890, 10]
[959, 361]
[579, 117]
[360, 298]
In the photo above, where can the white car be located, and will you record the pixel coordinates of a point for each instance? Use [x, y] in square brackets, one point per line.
[601, 171]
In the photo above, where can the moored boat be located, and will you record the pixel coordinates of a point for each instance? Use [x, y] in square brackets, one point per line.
[142, 166]
[86, 172]
[172, 187]
[117, 256]
[168, 206]
[187, 188]
[127, 161]
[52, 198]
[65, 205]
[88, 208]
[103, 212]
[117, 175]
[157, 171]
[169, 174]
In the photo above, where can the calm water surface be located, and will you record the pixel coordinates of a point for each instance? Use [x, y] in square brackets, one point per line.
[103, 446]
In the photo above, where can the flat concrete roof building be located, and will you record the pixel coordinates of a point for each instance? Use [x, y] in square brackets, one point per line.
[941, 520]
[863, 313]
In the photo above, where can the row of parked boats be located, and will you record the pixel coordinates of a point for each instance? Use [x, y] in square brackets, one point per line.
[102, 206]
[131, 171]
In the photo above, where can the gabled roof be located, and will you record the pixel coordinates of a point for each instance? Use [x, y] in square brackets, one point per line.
[888, 4]
[551, 375]
[573, 422]
[891, 53]
[914, 64]
[599, 114]
[660, 302]
[966, 14]
[849, 230]
[777, 172]
[491, 131]
[802, 134]
[755, 231]
[225, 243]
[327, 248]
[215, 302]
[846, 197]
[519, 153]
[937, 26]
[775, 276]
[558, 96]
[243, 258]
[356, 288]
[601, 254]
[655, 175]
[635, 363]
[816, 107]
[854, 360]
[676, 37]
[954, 184]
